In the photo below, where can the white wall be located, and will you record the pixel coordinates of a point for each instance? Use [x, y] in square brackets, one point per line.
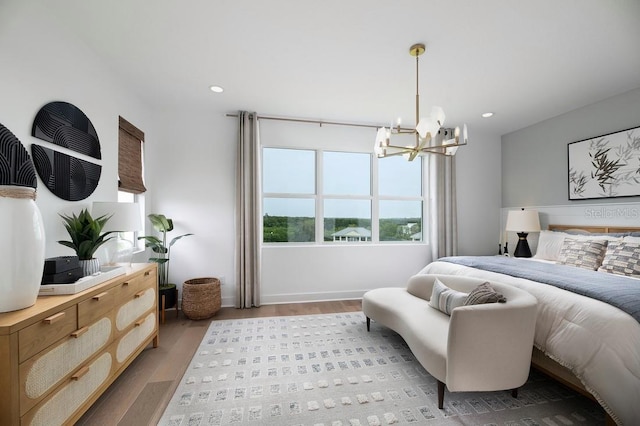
[42, 63]
[191, 174]
[479, 190]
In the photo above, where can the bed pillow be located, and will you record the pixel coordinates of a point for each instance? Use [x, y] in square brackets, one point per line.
[444, 298]
[587, 254]
[484, 293]
[549, 245]
[595, 237]
[622, 258]
[631, 239]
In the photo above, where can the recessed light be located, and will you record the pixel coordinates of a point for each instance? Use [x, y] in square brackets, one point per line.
[487, 115]
[216, 89]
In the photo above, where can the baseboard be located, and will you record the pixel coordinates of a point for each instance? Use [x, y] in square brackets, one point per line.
[279, 299]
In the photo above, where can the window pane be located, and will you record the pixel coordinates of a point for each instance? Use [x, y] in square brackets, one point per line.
[346, 173]
[400, 220]
[288, 171]
[399, 177]
[289, 220]
[128, 197]
[347, 220]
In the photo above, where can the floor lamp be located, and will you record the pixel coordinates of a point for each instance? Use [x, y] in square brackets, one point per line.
[125, 217]
[522, 222]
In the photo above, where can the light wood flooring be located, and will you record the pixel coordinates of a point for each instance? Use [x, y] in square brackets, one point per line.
[139, 396]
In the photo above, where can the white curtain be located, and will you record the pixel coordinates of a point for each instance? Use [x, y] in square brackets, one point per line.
[442, 207]
[248, 212]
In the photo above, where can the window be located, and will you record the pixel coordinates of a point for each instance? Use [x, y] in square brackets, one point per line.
[132, 236]
[340, 197]
[346, 178]
[131, 186]
[289, 186]
[400, 208]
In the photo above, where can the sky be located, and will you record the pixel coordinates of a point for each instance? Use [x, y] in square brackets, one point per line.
[345, 177]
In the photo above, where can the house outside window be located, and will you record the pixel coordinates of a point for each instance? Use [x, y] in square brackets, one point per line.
[332, 197]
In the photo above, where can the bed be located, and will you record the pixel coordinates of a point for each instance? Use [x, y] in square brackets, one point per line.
[588, 329]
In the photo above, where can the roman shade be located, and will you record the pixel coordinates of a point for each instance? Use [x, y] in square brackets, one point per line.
[130, 176]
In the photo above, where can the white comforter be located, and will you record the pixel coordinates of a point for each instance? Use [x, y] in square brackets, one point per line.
[599, 343]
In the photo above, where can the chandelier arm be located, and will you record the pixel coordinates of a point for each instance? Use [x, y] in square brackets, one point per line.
[393, 154]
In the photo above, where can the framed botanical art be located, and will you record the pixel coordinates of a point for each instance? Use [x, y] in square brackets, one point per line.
[606, 166]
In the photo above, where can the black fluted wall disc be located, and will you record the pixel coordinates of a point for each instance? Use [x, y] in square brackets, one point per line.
[69, 178]
[66, 125]
[16, 167]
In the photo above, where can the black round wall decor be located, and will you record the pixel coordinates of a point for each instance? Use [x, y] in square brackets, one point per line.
[70, 178]
[16, 168]
[65, 125]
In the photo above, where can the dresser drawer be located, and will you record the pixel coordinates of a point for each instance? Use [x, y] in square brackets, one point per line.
[135, 337]
[140, 303]
[134, 284]
[95, 307]
[42, 373]
[65, 401]
[38, 336]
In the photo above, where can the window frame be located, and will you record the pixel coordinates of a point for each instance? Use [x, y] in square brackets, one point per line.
[374, 198]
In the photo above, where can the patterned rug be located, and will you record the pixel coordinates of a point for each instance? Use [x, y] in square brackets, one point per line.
[328, 370]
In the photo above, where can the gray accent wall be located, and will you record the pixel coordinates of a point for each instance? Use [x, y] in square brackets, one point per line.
[534, 159]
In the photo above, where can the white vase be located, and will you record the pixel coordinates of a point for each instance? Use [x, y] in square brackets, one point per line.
[21, 248]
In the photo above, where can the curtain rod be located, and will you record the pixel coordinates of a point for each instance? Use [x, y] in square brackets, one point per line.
[304, 120]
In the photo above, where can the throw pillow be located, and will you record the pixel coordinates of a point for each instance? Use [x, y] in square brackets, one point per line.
[484, 293]
[622, 258]
[549, 245]
[587, 254]
[444, 298]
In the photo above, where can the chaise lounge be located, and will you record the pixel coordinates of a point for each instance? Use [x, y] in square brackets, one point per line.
[480, 347]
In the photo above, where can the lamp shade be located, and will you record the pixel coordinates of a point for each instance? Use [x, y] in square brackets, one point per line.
[125, 217]
[523, 221]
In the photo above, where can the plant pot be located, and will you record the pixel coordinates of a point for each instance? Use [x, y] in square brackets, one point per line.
[89, 266]
[170, 296]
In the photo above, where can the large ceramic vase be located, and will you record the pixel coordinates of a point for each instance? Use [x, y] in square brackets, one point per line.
[21, 248]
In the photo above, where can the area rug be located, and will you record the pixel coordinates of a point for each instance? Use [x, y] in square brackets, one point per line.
[328, 370]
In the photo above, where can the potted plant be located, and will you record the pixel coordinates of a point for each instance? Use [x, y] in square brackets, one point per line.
[86, 237]
[159, 246]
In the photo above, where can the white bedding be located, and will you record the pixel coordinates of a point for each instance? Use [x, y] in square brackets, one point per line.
[599, 343]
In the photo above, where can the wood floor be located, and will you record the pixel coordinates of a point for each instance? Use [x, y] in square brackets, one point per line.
[139, 396]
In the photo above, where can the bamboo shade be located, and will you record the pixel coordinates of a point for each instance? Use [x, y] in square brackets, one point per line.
[130, 176]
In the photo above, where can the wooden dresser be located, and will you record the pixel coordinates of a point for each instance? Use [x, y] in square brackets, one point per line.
[59, 355]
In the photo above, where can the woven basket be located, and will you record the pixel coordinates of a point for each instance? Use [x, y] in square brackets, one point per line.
[201, 298]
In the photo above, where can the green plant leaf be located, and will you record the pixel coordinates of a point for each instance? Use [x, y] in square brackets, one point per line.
[85, 232]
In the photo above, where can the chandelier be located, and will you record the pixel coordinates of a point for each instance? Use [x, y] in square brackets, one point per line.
[425, 131]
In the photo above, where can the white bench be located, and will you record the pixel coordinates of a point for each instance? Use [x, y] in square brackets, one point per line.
[483, 347]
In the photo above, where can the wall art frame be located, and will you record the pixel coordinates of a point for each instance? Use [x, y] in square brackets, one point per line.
[606, 166]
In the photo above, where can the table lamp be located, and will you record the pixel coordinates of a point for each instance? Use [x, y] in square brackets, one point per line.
[125, 218]
[522, 222]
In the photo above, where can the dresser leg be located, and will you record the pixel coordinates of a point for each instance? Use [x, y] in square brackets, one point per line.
[162, 309]
[176, 302]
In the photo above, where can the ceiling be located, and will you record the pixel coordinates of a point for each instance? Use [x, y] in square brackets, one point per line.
[348, 60]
